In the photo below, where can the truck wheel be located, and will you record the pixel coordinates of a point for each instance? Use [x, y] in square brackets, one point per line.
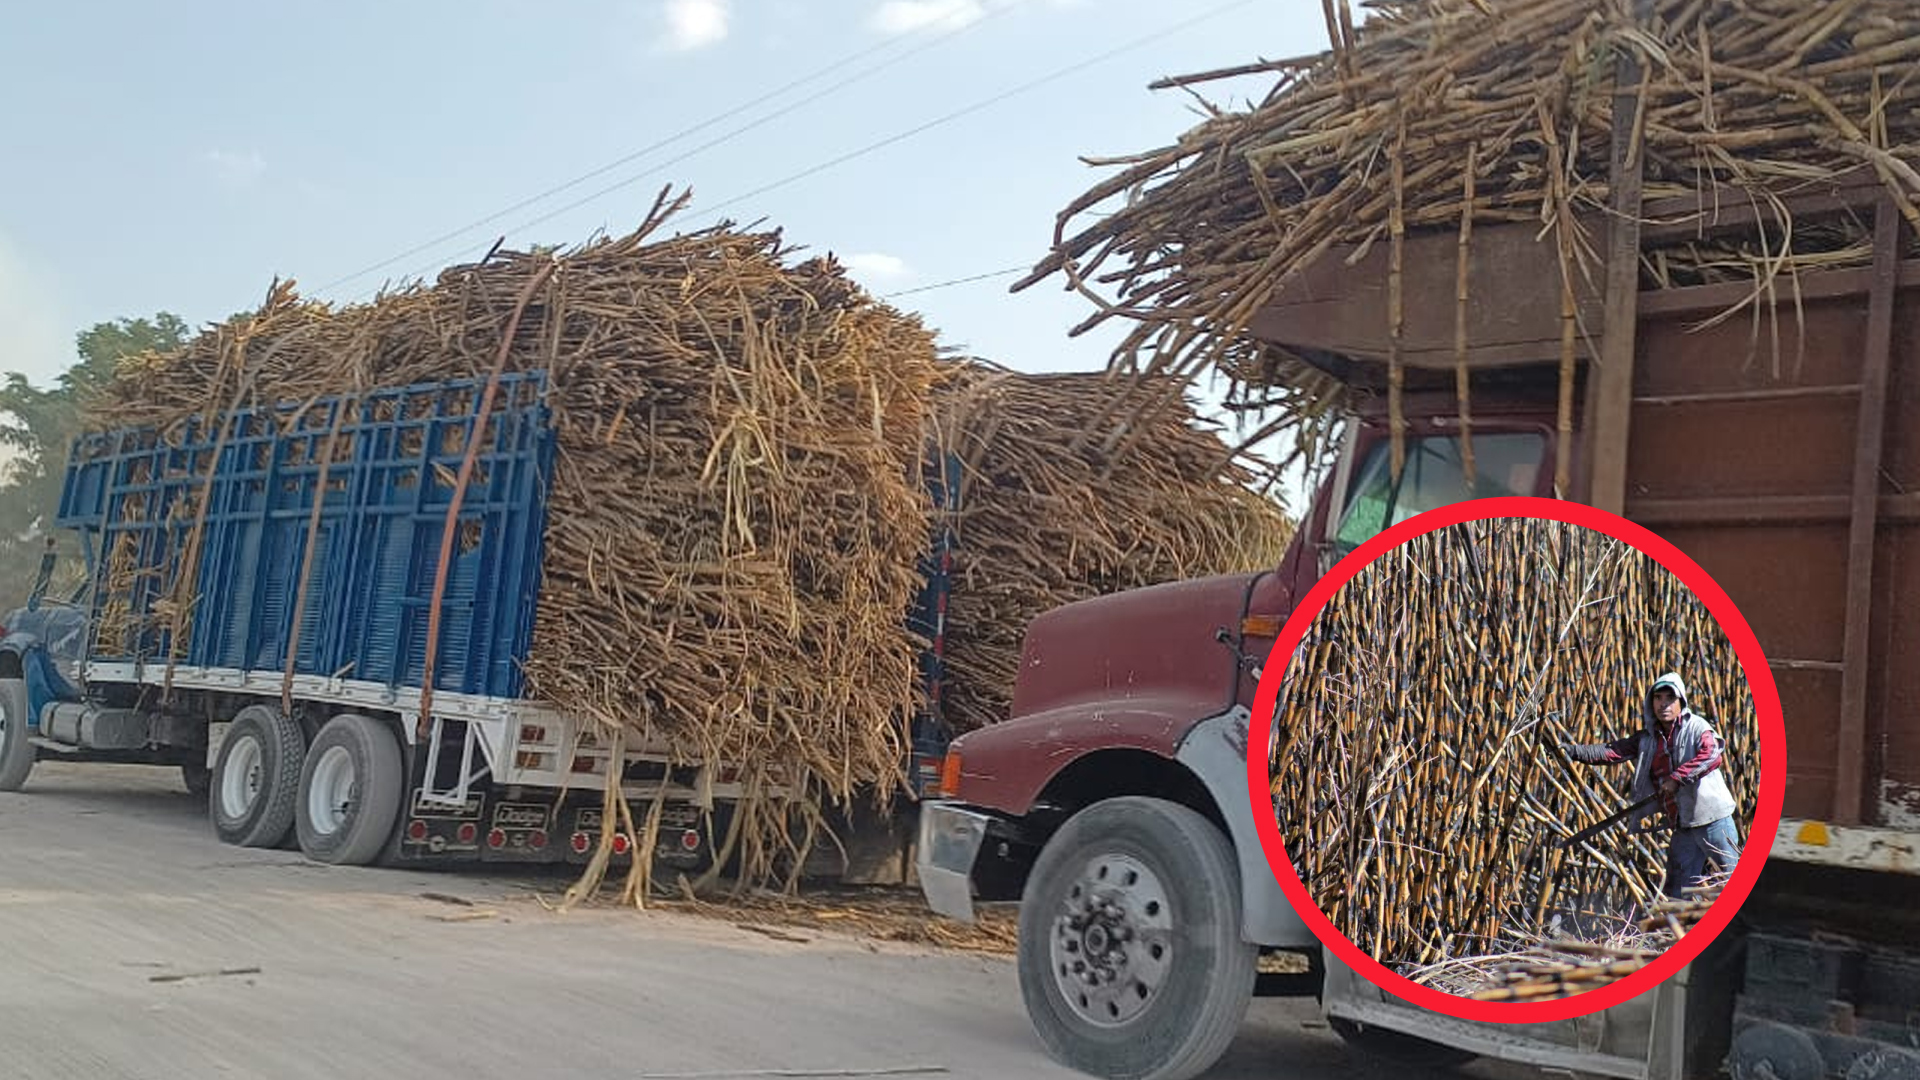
[256, 778]
[350, 791]
[197, 777]
[1131, 961]
[1398, 1048]
[16, 751]
[1770, 1051]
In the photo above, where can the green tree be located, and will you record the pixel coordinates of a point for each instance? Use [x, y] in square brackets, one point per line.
[38, 424]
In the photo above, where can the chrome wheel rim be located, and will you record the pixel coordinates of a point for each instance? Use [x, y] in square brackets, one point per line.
[241, 777]
[1112, 942]
[332, 791]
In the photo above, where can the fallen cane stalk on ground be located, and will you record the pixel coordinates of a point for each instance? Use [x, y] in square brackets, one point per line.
[1417, 777]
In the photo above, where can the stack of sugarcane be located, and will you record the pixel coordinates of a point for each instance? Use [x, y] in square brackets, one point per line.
[738, 513]
[1442, 114]
[735, 511]
[1057, 509]
[1418, 778]
[1562, 968]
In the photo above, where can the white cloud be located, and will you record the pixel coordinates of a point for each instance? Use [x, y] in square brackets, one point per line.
[695, 24]
[906, 16]
[237, 169]
[874, 268]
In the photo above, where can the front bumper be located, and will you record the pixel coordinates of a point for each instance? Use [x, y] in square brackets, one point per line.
[949, 842]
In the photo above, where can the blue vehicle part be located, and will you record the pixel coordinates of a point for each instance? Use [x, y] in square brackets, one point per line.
[44, 683]
[929, 731]
[40, 639]
[134, 495]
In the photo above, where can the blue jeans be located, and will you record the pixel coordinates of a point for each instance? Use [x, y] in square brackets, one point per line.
[1691, 848]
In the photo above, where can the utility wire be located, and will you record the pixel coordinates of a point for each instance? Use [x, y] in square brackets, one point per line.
[694, 129]
[961, 113]
[955, 281]
[985, 103]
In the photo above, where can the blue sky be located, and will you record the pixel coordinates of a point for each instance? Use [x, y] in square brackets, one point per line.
[177, 157]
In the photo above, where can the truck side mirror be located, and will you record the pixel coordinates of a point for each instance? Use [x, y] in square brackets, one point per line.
[40, 581]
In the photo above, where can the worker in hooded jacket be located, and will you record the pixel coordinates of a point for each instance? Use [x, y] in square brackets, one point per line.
[1677, 754]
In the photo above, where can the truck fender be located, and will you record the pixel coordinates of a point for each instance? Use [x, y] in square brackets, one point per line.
[25, 655]
[1215, 750]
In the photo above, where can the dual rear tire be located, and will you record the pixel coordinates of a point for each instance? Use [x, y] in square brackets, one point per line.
[340, 796]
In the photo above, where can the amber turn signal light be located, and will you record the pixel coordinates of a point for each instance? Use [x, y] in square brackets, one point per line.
[1260, 626]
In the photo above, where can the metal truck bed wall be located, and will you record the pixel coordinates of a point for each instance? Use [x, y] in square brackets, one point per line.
[133, 495]
[1750, 444]
[1746, 463]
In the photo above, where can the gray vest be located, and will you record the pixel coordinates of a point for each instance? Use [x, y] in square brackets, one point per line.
[1702, 802]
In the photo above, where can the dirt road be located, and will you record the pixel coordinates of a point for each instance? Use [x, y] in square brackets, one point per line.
[132, 944]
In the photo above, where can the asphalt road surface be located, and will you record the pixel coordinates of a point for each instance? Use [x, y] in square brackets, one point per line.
[133, 944]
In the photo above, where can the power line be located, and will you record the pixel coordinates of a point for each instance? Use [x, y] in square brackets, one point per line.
[957, 114]
[602, 170]
[985, 103]
[955, 281]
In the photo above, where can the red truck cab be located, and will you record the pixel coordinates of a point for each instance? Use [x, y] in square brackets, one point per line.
[1113, 801]
[1112, 804]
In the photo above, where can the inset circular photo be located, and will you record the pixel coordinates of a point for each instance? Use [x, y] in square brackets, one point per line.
[1518, 753]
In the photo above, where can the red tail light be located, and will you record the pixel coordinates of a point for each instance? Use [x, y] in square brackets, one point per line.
[497, 838]
[690, 840]
[580, 843]
[467, 832]
[537, 839]
[417, 831]
[621, 844]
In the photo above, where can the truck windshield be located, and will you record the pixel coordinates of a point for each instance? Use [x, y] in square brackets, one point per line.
[1505, 464]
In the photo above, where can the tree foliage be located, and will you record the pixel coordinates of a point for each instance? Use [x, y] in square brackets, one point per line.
[37, 425]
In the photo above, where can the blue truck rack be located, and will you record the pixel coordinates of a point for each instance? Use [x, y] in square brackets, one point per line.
[271, 571]
[134, 496]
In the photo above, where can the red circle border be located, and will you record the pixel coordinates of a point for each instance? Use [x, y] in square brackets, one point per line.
[1760, 837]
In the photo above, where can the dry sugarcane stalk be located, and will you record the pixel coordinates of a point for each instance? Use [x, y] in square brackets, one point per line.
[1439, 654]
[1734, 96]
[736, 514]
[1396, 305]
[1462, 382]
[1169, 507]
[1559, 967]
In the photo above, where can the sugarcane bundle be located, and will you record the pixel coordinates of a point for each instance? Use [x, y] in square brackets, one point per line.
[1051, 516]
[1438, 115]
[1561, 968]
[1418, 778]
[736, 508]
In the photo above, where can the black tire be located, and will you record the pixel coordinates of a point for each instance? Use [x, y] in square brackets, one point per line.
[16, 747]
[351, 788]
[1397, 1048]
[1171, 876]
[1770, 1051]
[256, 778]
[197, 777]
